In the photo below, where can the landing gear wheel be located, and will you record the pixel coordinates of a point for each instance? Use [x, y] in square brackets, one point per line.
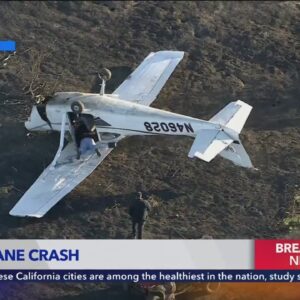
[77, 107]
[105, 74]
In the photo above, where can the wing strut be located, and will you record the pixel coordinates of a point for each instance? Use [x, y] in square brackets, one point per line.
[61, 141]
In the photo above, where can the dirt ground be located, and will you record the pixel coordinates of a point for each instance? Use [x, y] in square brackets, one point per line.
[233, 50]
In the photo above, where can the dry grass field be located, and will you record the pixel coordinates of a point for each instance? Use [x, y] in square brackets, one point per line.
[233, 50]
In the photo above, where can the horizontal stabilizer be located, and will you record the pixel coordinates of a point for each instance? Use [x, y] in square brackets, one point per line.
[209, 143]
[238, 155]
[233, 116]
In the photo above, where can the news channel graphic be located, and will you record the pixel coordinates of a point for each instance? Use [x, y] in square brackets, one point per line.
[7, 46]
[117, 261]
[150, 276]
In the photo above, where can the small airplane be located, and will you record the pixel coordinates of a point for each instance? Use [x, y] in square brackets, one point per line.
[111, 117]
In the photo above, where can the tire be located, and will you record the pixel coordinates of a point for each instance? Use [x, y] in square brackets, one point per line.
[105, 74]
[77, 107]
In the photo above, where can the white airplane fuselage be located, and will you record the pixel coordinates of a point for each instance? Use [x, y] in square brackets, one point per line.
[114, 115]
[108, 118]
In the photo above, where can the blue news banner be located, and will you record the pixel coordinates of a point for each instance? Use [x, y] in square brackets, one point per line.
[7, 46]
[149, 276]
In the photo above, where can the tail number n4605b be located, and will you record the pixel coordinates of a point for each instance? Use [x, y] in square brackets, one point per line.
[168, 127]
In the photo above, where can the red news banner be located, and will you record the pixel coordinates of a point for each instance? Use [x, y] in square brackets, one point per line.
[277, 254]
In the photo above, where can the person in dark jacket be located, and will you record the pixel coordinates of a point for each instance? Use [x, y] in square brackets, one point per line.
[138, 212]
[84, 138]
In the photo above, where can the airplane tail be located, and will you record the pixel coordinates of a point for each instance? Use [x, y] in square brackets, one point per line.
[225, 141]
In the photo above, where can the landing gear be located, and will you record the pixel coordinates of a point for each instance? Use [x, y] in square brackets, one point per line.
[77, 107]
[104, 74]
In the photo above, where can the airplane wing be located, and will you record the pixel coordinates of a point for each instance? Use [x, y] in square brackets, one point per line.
[65, 172]
[57, 181]
[60, 177]
[143, 85]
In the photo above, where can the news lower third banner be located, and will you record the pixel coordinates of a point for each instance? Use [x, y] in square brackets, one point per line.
[150, 260]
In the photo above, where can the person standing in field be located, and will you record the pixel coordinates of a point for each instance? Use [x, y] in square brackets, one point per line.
[138, 211]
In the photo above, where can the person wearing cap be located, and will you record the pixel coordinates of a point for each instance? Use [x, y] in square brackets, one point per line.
[138, 211]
